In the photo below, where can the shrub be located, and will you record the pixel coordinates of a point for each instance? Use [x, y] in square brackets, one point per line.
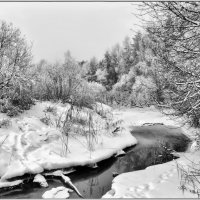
[51, 109]
[79, 120]
[46, 120]
[15, 100]
[83, 100]
[56, 81]
[5, 123]
[13, 111]
[83, 96]
[142, 69]
[96, 90]
[63, 81]
[142, 91]
[16, 104]
[189, 177]
[120, 98]
[23, 102]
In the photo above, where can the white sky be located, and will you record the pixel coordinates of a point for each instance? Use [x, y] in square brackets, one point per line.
[87, 29]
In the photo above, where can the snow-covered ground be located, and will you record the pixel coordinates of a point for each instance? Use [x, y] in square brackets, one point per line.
[158, 181]
[140, 116]
[29, 146]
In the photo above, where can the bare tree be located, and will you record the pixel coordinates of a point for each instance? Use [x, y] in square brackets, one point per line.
[175, 30]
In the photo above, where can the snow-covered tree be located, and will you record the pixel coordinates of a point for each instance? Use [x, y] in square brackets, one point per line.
[175, 28]
[15, 61]
[92, 67]
[15, 57]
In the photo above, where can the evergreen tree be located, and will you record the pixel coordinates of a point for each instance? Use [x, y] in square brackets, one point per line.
[92, 68]
[111, 77]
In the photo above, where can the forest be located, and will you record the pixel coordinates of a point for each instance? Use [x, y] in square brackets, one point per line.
[157, 68]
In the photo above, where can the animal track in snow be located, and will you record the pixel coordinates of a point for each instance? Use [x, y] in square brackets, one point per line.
[163, 177]
[140, 191]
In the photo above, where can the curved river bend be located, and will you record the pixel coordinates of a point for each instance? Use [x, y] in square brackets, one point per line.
[155, 144]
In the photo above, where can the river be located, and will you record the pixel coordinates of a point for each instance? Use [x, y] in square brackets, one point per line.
[155, 145]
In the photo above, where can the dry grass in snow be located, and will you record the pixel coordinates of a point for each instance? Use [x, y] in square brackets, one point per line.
[54, 135]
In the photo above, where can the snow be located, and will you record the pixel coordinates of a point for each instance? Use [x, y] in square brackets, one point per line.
[41, 180]
[10, 183]
[67, 181]
[140, 116]
[194, 146]
[158, 181]
[120, 153]
[59, 172]
[59, 192]
[31, 146]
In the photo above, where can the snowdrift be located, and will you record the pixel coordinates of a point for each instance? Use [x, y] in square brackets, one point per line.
[29, 146]
[158, 181]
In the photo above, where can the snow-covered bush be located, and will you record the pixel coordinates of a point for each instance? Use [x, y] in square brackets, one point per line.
[122, 89]
[22, 99]
[103, 110]
[83, 96]
[58, 80]
[16, 103]
[126, 81]
[46, 120]
[9, 109]
[143, 91]
[64, 82]
[15, 60]
[79, 120]
[51, 109]
[82, 99]
[142, 69]
[121, 84]
[101, 75]
[5, 123]
[96, 90]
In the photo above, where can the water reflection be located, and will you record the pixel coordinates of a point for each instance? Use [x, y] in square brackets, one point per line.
[152, 143]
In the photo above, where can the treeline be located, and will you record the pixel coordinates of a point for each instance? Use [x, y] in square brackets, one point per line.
[174, 28]
[128, 72]
[64, 81]
[159, 66]
[123, 77]
[22, 82]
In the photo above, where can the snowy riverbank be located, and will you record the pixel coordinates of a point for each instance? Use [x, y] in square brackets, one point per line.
[29, 146]
[158, 181]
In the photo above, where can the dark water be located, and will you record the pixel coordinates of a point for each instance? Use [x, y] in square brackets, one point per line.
[154, 147]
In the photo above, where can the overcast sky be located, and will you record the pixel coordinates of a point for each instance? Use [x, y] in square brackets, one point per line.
[85, 28]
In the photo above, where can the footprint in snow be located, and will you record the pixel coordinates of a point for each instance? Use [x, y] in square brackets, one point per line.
[166, 175]
[141, 191]
[59, 192]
